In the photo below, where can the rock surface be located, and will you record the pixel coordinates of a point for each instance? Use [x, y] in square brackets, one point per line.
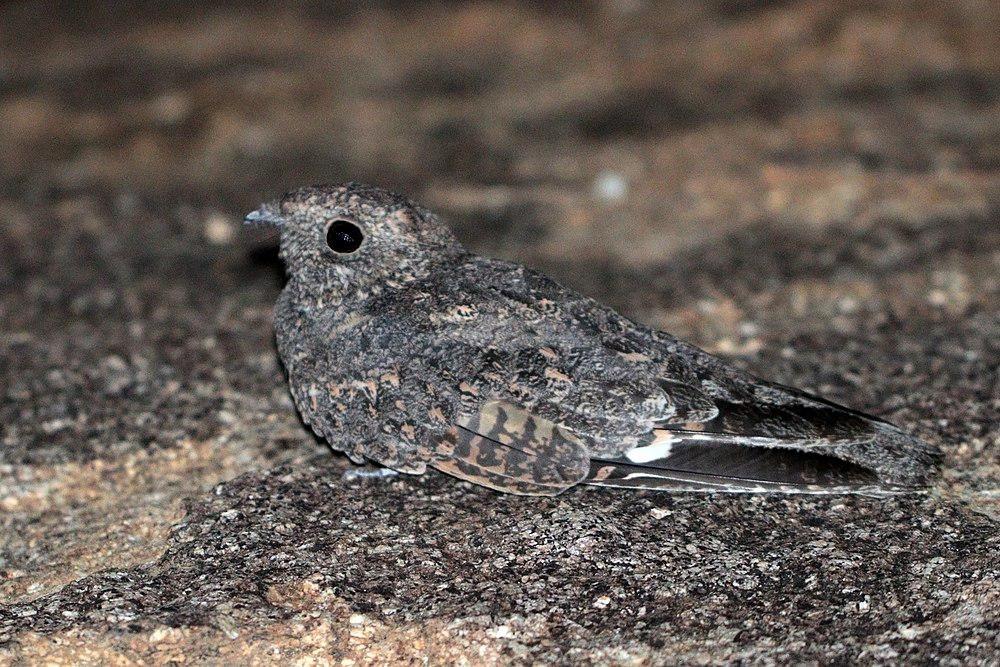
[810, 189]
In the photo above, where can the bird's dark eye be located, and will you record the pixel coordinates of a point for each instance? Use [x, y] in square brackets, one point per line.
[344, 237]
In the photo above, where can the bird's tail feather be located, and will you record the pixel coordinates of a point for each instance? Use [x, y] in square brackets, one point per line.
[679, 460]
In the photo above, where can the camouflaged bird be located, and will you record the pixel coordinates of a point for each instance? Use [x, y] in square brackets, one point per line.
[404, 348]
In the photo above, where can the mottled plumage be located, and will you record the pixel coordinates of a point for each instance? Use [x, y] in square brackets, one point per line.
[406, 349]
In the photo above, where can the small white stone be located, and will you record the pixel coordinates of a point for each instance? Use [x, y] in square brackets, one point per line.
[610, 186]
[171, 107]
[219, 230]
[501, 632]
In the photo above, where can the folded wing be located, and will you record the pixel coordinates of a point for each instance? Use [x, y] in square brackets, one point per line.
[503, 447]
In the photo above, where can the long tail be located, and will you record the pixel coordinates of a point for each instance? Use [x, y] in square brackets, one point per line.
[805, 445]
[737, 465]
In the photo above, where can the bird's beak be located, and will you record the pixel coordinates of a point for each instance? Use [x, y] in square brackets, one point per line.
[268, 214]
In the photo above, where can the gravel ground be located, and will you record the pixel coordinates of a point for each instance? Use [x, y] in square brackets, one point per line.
[809, 189]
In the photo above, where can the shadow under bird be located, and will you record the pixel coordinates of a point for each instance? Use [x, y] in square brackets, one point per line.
[404, 348]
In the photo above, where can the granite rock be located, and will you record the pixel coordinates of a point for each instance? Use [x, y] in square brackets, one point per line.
[809, 189]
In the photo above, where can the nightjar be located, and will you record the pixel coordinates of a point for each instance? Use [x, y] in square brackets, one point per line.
[404, 348]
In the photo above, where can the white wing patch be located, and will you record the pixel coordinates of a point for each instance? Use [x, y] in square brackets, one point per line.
[660, 448]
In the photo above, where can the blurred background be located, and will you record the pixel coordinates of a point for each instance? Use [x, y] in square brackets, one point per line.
[613, 132]
[808, 188]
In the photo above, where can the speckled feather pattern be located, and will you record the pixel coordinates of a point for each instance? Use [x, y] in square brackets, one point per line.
[413, 351]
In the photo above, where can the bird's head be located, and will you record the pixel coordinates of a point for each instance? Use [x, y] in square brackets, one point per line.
[353, 236]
